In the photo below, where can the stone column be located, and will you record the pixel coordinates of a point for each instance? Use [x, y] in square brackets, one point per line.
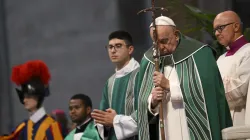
[6, 115]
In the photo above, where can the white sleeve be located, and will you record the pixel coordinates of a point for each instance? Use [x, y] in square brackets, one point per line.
[153, 111]
[175, 97]
[124, 126]
[247, 113]
[236, 84]
[100, 129]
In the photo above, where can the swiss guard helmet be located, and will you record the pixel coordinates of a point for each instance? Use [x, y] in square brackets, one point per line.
[33, 78]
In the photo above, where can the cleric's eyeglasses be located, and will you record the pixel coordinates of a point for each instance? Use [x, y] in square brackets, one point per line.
[117, 46]
[221, 27]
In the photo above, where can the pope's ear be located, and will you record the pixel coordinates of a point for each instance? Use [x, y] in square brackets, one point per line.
[177, 33]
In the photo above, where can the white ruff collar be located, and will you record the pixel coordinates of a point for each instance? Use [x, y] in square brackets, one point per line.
[38, 115]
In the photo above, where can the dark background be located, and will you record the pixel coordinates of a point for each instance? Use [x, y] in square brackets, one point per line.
[70, 37]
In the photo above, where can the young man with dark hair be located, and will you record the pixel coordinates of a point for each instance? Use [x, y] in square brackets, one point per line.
[33, 77]
[116, 117]
[80, 107]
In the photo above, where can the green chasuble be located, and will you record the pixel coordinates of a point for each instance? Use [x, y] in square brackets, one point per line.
[204, 101]
[118, 94]
[90, 133]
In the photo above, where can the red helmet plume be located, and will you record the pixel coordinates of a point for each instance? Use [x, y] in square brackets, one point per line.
[35, 68]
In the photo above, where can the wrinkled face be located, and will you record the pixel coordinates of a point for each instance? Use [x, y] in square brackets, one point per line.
[77, 111]
[167, 39]
[119, 52]
[30, 102]
[224, 31]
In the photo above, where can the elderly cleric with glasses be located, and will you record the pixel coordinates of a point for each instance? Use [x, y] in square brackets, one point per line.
[234, 64]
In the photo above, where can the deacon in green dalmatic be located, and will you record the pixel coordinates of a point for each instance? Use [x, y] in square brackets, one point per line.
[116, 117]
